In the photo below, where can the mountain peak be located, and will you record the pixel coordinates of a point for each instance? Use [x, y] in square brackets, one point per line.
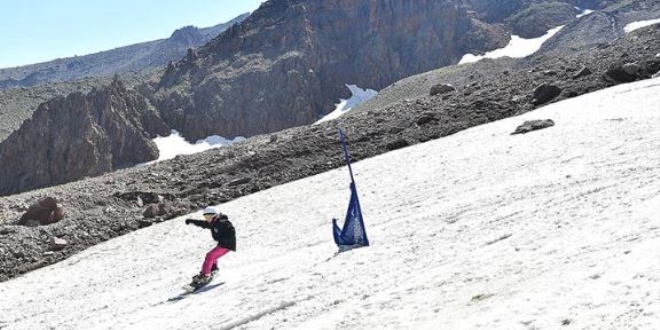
[187, 35]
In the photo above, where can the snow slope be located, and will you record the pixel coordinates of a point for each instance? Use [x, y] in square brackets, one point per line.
[554, 229]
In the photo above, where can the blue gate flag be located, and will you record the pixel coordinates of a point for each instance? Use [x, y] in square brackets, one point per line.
[353, 233]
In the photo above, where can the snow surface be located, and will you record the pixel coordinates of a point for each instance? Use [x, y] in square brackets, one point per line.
[517, 47]
[584, 12]
[554, 229]
[174, 145]
[640, 24]
[358, 97]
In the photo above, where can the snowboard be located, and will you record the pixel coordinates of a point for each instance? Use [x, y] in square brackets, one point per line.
[189, 288]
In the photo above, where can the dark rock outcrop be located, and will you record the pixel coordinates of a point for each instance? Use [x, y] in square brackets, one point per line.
[78, 136]
[539, 17]
[545, 93]
[629, 72]
[585, 71]
[44, 211]
[623, 73]
[159, 210]
[188, 36]
[441, 89]
[533, 125]
[58, 244]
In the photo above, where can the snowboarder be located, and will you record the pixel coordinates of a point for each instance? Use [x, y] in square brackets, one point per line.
[223, 232]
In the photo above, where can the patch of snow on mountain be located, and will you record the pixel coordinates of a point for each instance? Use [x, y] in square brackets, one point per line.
[640, 24]
[358, 97]
[174, 144]
[517, 48]
[584, 12]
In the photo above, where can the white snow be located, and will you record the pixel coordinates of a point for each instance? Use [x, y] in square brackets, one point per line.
[358, 97]
[478, 230]
[174, 144]
[640, 24]
[517, 47]
[584, 12]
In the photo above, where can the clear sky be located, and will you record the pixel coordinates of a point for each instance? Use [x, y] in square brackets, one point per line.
[34, 31]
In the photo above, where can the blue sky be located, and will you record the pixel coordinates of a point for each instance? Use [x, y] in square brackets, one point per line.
[34, 31]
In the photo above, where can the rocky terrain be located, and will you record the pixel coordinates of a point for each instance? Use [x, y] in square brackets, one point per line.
[104, 207]
[18, 104]
[90, 135]
[288, 63]
[23, 88]
[133, 58]
[311, 49]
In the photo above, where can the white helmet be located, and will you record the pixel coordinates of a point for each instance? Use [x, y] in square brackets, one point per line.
[210, 210]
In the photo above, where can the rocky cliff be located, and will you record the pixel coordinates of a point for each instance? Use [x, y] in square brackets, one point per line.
[78, 136]
[287, 64]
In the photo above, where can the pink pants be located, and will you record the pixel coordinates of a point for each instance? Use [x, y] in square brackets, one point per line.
[211, 258]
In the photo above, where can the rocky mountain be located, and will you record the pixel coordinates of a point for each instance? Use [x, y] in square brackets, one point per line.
[19, 104]
[592, 32]
[288, 63]
[138, 57]
[308, 50]
[77, 136]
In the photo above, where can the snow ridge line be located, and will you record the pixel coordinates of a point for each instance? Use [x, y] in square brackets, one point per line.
[248, 319]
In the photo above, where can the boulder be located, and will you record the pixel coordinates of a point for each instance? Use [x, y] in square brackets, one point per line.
[631, 68]
[585, 71]
[43, 212]
[58, 244]
[545, 93]
[158, 210]
[151, 211]
[397, 144]
[533, 125]
[623, 73]
[440, 89]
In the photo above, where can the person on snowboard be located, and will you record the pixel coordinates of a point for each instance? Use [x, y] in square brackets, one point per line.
[223, 232]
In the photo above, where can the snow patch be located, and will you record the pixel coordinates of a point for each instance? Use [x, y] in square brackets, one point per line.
[174, 145]
[359, 96]
[517, 47]
[640, 24]
[584, 12]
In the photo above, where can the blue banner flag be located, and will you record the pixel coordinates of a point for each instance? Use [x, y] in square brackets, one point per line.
[353, 234]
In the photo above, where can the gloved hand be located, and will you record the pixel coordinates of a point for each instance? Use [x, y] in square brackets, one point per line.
[189, 221]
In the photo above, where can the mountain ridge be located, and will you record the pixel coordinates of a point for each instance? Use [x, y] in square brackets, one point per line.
[135, 57]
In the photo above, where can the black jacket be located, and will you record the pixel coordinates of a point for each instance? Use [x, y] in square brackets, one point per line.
[222, 230]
